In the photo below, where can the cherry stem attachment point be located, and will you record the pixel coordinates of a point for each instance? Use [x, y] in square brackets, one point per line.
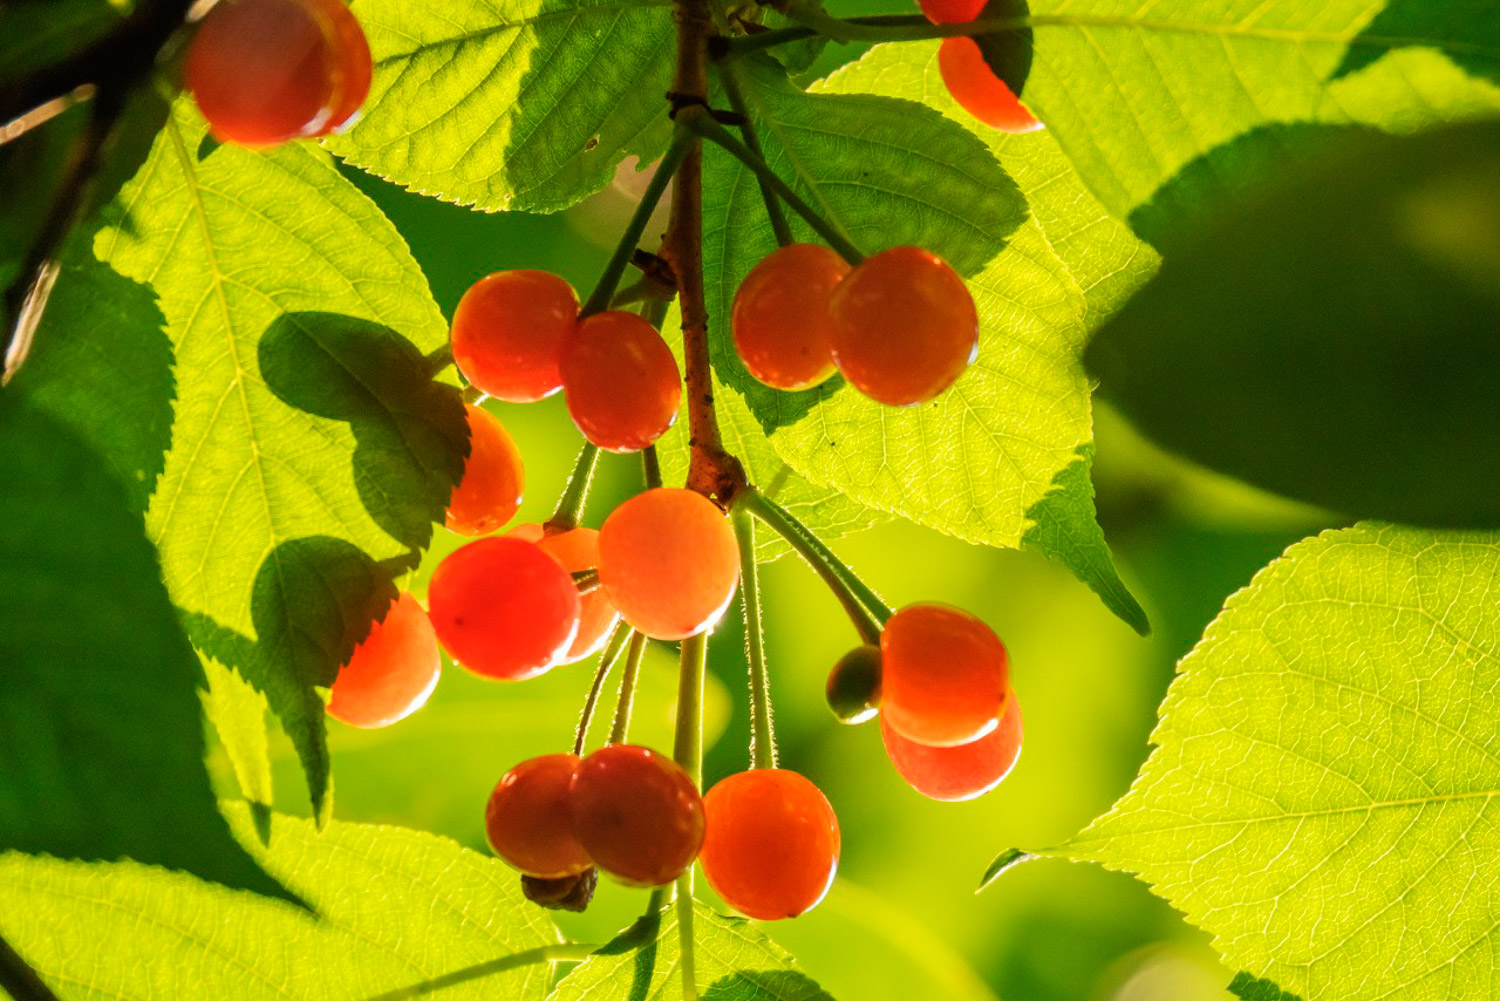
[567, 952]
[861, 604]
[612, 650]
[729, 76]
[704, 124]
[620, 728]
[762, 734]
[576, 494]
[683, 141]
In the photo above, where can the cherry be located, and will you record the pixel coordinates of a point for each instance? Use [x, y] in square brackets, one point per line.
[503, 608]
[577, 549]
[944, 675]
[508, 331]
[264, 71]
[904, 326]
[772, 844]
[637, 814]
[620, 380]
[952, 774]
[853, 688]
[490, 492]
[951, 11]
[528, 819]
[979, 91]
[391, 672]
[780, 318]
[669, 561]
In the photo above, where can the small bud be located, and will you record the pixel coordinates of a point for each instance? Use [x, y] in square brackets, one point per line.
[854, 685]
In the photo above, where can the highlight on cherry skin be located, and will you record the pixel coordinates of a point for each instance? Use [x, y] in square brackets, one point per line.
[637, 814]
[780, 320]
[528, 820]
[577, 549]
[508, 332]
[503, 608]
[944, 675]
[266, 71]
[392, 671]
[904, 326]
[962, 772]
[494, 479]
[979, 91]
[669, 561]
[772, 843]
[620, 381]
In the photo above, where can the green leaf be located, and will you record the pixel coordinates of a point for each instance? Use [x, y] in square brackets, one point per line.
[311, 450]
[1321, 797]
[393, 908]
[732, 961]
[512, 104]
[91, 649]
[1353, 310]
[1137, 95]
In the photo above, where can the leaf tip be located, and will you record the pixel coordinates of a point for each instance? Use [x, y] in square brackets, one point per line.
[1005, 860]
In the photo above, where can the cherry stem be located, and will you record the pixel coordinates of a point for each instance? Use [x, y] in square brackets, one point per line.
[566, 952]
[612, 650]
[685, 935]
[18, 979]
[762, 734]
[620, 728]
[586, 580]
[651, 467]
[576, 494]
[703, 123]
[862, 605]
[474, 395]
[874, 28]
[687, 751]
[729, 76]
[629, 295]
[682, 142]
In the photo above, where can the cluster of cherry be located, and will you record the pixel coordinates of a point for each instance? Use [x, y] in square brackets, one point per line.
[900, 326]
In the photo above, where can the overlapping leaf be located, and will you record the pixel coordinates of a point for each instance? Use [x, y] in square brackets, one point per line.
[1322, 796]
[732, 961]
[1140, 96]
[511, 104]
[394, 908]
[310, 449]
[92, 650]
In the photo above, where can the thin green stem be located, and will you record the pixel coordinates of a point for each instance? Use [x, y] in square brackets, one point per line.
[569, 952]
[604, 291]
[729, 76]
[576, 494]
[620, 728]
[18, 979]
[629, 295]
[875, 28]
[612, 651]
[687, 751]
[586, 580]
[704, 124]
[862, 605]
[651, 467]
[762, 735]
[685, 935]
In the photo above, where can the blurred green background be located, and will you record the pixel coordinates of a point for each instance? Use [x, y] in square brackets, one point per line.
[903, 920]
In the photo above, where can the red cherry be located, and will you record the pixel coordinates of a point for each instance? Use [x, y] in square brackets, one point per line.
[637, 814]
[669, 561]
[620, 380]
[780, 319]
[577, 549]
[905, 326]
[490, 492]
[772, 845]
[979, 91]
[528, 819]
[508, 331]
[952, 774]
[392, 672]
[503, 608]
[264, 71]
[951, 11]
[944, 675]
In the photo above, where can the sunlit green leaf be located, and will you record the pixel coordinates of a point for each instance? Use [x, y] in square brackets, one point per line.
[511, 104]
[1353, 356]
[394, 908]
[732, 961]
[1321, 798]
[91, 651]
